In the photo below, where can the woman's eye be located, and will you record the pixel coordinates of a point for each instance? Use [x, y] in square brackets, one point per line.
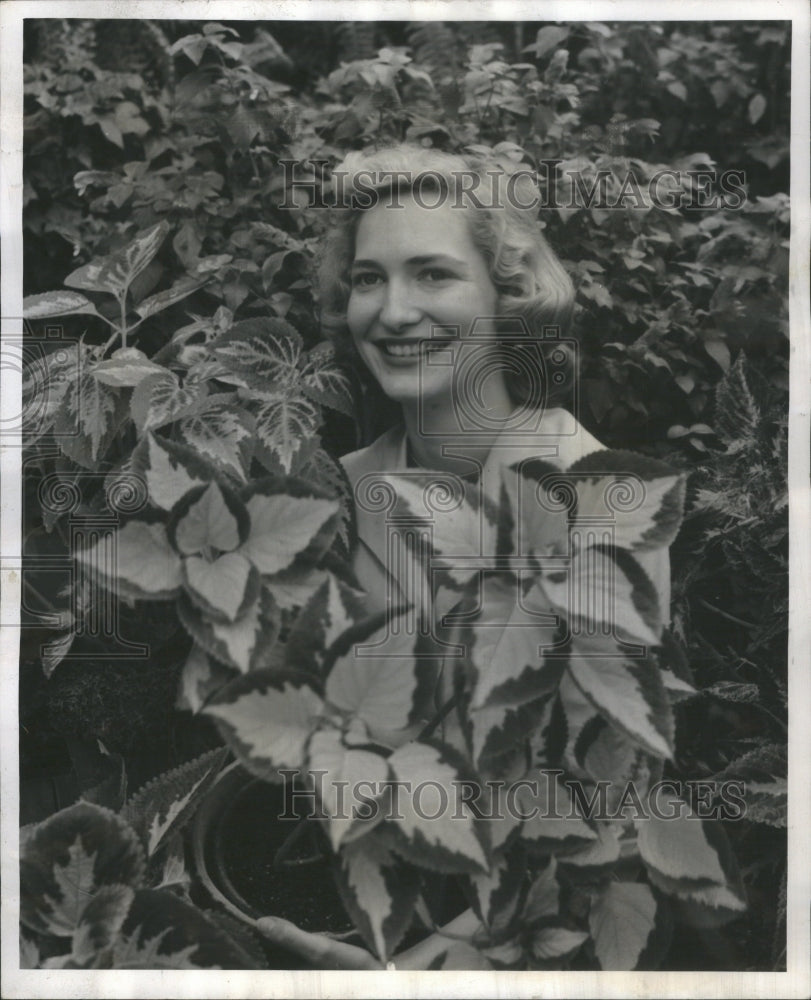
[365, 279]
[434, 274]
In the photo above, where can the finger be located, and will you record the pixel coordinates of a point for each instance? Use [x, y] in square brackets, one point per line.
[318, 950]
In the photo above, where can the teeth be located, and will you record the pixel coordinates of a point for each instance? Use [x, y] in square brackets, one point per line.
[408, 350]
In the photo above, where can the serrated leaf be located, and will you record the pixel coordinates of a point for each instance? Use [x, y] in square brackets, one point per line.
[159, 399]
[169, 296]
[245, 643]
[163, 931]
[294, 587]
[163, 806]
[284, 424]
[496, 894]
[331, 610]
[682, 846]
[762, 774]
[267, 717]
[324, 382]
[87, 419]
[552, 819]
[137, 555]
[599, 853]
[604, 592]
[67, 858]
[344, 768]
[506, 648]
[60, 303]
[125, 367]
[266, 350]
[628, 692]
[390, 689]
[554, 942]
[100, 922]
[379, 892]
[536, 526]
[497, 729]
[543, 896]
[621, 921]
[170, 471]
[282, 526]
[436, 829]
[222, 433]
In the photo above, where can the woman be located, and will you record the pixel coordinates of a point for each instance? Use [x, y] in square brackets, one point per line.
[437, 279]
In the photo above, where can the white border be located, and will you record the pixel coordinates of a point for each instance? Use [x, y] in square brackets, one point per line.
[794, 983]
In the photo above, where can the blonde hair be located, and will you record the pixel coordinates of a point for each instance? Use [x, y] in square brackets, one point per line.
[530, 281]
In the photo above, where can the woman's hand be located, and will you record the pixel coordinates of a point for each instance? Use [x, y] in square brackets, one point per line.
[326, 953]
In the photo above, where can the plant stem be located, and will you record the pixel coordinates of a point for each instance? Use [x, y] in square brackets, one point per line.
[725, 614]
[429, 728]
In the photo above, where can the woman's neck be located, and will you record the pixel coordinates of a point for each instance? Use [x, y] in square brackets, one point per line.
[433, 427]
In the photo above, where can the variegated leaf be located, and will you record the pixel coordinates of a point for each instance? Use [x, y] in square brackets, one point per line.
[597, 853]
[346, 774]
[160, 399]
[208, 519]
[60, 303]
[628, 692]
[138, 556]
[67, 858]
[284, 424]
[543, 896]
[165, 804]
[202, 675]
[223, 588]
[222, 433]
[388, 688]
[244, 644]
[266, 718]
[100, 922]
[267, 351]
[497, 729]
[169, 469]
[282, 526]
[551, 818]
[642, 497]
[330, 611]
[169, 296]
[762, 775]
[433, 824]
[125, 367]
[87, 419]
[294, 587]
[379, 892]
[325, 382]
[496, 894]
[116, 272]
[621, 921]
[554, 942]
[539, 519]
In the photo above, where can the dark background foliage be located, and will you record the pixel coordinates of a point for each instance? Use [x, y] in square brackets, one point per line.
[681, 315]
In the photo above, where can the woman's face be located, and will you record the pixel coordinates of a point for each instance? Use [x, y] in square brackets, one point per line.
[416, 269]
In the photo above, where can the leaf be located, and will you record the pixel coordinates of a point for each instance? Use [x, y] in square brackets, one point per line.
[100, 922]
[282, 526]
[548, 38]
[170, 470]
[294, 587]
[165, 804]
[604, 593]
[640, 497]
[679, 845]
[763, 775]
[379, 892]
[498, 729]
[719, 352]
[170, 296]
[87, 419]
[245, 643]
[331, 610]
[163, 931]
[554, 942]
[67, 858]
[159, 399]
[284, 424]
[621, 921]
[116, 272]
[267, 350]
[208, 519]
[756, 108]
[552, 819]
[598, 853]
[345, 769]
[389, 689]
[125, 367]
[543, 897]
[506, 648]
[201, 677]
[221, 433]
[496, 895]
[138, 556]
[223, 588]
[324, 382]
[436, 830]
[61, 303]
[628, 692]
[266, 717]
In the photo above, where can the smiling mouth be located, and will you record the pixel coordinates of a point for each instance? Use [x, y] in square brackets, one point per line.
[410, 348]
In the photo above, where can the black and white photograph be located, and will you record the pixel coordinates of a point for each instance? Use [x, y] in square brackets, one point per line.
[405, 500]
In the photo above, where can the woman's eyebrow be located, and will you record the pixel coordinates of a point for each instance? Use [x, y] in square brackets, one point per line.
[431, 258]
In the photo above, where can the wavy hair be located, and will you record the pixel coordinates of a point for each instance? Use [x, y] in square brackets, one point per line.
[502, 209]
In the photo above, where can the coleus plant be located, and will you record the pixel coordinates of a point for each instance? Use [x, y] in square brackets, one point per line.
[548, 718]
[104, 888]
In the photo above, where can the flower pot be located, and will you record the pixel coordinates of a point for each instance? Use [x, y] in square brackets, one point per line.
[234, 840]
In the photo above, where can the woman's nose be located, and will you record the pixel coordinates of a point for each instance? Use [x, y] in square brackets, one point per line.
[398, 309]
